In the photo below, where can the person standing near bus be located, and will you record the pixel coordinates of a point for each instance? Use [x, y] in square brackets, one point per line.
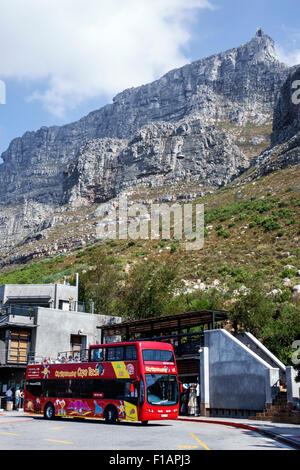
[17, 398]
[198, 397]
[9, 394]
[192, 404]
[21, 397]
[184, 402]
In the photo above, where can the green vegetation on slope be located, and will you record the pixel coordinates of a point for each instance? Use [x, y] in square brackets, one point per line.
[252, 235]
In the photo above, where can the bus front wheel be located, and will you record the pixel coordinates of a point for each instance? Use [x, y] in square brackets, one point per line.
[49, 411]
[110, 415]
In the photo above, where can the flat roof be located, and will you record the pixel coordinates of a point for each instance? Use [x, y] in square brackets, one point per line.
[148, 327]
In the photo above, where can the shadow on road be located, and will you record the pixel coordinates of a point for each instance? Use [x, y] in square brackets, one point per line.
[100, 421]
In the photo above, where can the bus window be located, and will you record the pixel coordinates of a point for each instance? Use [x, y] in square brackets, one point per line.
[110, 388]
[130, 353]
[158, 355]
[97, 354]
[115, 354]
[57, 388]
[34, 387]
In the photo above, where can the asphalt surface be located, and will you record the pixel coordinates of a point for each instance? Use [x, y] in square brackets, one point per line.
[285, 433]
[26, 432]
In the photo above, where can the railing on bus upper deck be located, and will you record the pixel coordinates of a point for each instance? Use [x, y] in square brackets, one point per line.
[73, 356]
[62, 358]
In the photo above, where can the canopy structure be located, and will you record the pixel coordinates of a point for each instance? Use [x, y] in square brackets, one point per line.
[169, 326]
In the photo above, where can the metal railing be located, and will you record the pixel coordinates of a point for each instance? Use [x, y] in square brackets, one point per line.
[73, 356]
[84, 307]
[4, 318]
[19, 359]
[60, 358]
[189, 347]
[22, 310]
[29, 310]
[33, 359]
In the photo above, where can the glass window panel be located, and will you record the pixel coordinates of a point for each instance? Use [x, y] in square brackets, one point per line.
[162, 389]
[130, 353]
[158, 355]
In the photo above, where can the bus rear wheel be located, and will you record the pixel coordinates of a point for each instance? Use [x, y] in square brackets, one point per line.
[144, 423]
[49, 411]
[110, 415]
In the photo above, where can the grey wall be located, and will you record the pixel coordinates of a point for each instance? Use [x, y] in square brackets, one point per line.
[56, 326]
[238, 378]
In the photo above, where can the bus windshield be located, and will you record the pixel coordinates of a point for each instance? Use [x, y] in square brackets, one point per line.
[162, 389]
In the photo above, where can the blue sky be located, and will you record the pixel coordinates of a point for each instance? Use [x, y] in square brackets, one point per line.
[61, 62]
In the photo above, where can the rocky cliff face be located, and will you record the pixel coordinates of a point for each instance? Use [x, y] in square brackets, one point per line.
[106, 167]
[238, 86]
[136, 139]
[285, 139]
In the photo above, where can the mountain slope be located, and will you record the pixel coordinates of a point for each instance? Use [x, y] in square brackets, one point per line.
[249, 228]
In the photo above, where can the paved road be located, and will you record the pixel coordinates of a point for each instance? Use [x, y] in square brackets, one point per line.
[34, 433]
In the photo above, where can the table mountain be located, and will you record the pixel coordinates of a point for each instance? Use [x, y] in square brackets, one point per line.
[199, 110]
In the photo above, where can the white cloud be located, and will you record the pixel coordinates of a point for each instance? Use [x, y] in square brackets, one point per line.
[86, 48]
[289, 58]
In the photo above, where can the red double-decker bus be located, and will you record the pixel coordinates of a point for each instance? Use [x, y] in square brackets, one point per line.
[132, 381]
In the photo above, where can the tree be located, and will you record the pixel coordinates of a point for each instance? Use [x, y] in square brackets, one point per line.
[103, 285]
[275, 322]
[148, 290]
[252, 309]
[279, 332]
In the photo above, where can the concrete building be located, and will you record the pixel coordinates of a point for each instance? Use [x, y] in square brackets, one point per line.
[41, 321]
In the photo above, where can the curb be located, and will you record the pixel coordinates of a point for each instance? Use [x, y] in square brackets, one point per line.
[269, 434]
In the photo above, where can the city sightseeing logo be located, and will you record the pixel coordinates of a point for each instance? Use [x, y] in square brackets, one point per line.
[45, 372]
